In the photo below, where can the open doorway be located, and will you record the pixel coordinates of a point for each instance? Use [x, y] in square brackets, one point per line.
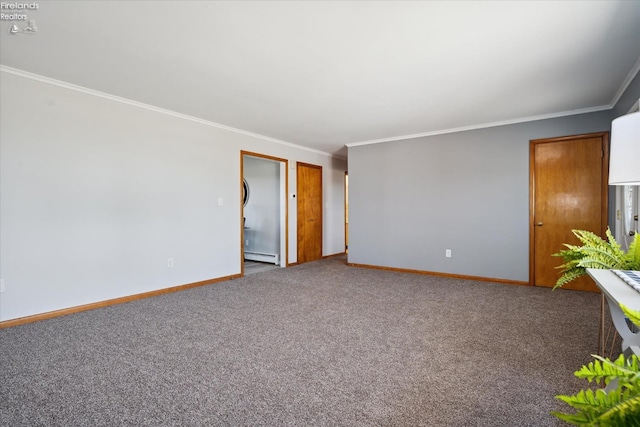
[627, 205]
[346, 212]
[264, 212]
[627, 210]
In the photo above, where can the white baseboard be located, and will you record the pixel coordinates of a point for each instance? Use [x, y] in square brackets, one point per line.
[262, 257]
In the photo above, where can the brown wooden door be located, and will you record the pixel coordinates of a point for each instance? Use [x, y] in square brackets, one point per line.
[568, 178]
[309, 182]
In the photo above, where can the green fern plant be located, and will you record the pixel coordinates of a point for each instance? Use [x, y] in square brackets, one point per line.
[596, 252]
[619, 406]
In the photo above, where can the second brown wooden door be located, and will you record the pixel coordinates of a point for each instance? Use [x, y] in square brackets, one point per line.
[568, 191]
[309, 183]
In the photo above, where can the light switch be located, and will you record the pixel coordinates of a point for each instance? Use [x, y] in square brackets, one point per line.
[220, 201]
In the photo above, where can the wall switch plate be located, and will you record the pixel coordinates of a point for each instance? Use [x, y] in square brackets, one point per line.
[170, 263]
[447, 253]
[220, 201]
[2, 288]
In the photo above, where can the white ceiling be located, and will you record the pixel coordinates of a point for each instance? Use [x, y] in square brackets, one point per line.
[323, 74]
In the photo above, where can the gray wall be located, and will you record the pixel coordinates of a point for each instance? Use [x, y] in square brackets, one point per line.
[262, 211]
[411, 200]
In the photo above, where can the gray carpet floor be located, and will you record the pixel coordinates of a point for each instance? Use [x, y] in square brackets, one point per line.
[319, 344]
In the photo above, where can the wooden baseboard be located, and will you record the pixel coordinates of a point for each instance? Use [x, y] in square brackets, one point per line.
[435, 273]
[334, 255]
[106, 303]
[293, 264]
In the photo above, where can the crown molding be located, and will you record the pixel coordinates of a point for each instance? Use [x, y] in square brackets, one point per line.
[483, 125]
[623, 87]
[43, 79]
[625, 83]
[104, 95]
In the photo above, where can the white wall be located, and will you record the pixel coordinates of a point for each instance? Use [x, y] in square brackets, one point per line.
[97, 194]
[262, 211]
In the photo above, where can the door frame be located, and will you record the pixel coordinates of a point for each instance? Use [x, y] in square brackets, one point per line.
[309, 165]
[604, 186]
[346, 211]
[619, 190]
[620, 231]
[284, 206]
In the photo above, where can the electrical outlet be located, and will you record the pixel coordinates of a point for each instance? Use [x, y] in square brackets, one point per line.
[447, 253]
[2, 288]
[170, 263]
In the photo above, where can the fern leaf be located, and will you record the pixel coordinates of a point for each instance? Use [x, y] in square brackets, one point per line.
[632, 315]
[625, 411]
[601, 263]
[633, 254]
[604, 369]
[572, 252]
[568, 276]
[587, 400]
[624, 369]
[594, 253]
[599, 408]
[588, 238]
[615, 246]
[603, 254]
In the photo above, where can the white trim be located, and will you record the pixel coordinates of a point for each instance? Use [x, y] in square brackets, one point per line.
[623, 87]
[484, 125]
[262, 257]
[133, 103]
[626, 82]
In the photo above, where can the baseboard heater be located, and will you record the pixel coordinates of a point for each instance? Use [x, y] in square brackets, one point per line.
[262, 257]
